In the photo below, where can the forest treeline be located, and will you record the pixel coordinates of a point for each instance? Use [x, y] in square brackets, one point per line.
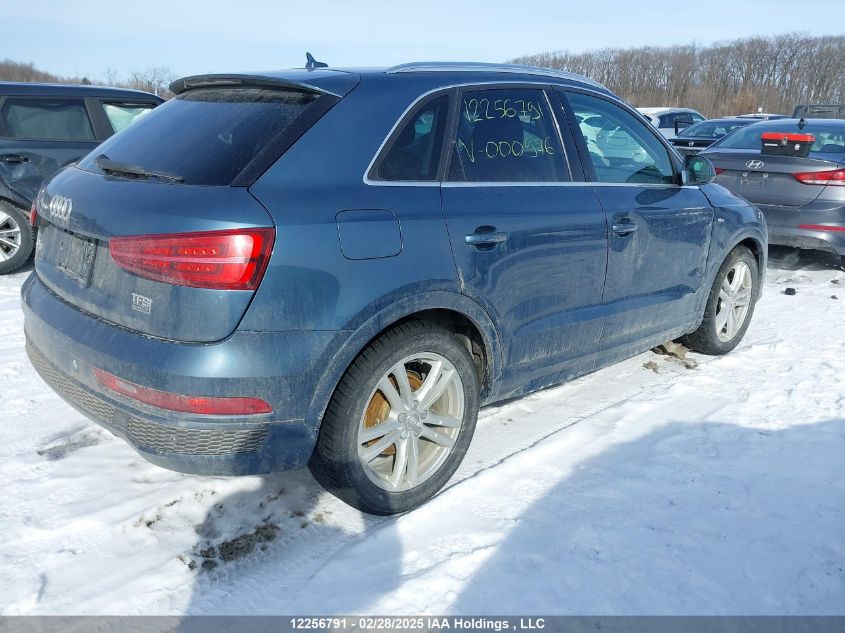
[154, 79]
[732, 77]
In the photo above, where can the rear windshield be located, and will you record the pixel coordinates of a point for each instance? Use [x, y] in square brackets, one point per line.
[212, 136]
[714, 129]
[830, 139]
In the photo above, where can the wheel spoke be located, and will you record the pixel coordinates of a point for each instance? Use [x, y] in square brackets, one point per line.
[12, 231]
[437, 437]
[8, 242]
[369, 453]
[435, 384]
[413, 461]
[722, 319]
[726, 287]
[405, 390]
[377, 431]
[4, 255]
[743, 297]
[400, 462]
[447, 421]
[723, 296]
[389, 391]
[731, 324]
[4, 217]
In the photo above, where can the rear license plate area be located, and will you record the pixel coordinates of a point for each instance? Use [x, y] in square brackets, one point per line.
[76, 257]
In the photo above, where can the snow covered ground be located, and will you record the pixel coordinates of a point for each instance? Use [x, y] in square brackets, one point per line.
[649, 487]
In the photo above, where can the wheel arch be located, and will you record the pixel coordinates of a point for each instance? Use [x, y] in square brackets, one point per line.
[753, 242]
[457, 312]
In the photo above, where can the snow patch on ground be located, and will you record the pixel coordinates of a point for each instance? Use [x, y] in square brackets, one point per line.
[650, 487]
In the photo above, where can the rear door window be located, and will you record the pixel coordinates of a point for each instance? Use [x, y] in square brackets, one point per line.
[413, 152]
[506, 135]
[120, 115]
[46, 119]
[621, 148]
[215, 136]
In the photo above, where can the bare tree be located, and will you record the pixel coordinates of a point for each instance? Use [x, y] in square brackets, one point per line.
[155, 79]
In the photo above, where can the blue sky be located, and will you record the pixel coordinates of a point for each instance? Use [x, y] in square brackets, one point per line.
[195, 36]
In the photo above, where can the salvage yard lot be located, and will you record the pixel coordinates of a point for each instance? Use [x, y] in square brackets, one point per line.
[714, 486]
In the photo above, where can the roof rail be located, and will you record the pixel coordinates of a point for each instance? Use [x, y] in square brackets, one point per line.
[492, 67]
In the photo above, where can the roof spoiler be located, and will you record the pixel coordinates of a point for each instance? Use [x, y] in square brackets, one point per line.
[221, 81]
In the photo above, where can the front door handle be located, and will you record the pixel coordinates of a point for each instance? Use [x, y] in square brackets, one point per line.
[483, 237]
[14, 159]
[625, 228]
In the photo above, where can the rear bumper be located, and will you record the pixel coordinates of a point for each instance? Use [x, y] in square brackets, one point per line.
[784, 223]
[65, 344]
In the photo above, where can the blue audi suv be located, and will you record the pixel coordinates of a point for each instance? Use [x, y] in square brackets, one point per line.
[338, 267]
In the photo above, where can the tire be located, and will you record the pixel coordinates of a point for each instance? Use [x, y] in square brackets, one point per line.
[716, 335]
[16, 238]
[441, 379]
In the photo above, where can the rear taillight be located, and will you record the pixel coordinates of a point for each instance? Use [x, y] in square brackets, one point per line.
[719, 170]
[176, 402]
[221, 260]
[822, 227]
[834, 177]
[33, 215]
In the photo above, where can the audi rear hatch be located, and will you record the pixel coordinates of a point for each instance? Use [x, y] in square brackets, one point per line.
[156, 230]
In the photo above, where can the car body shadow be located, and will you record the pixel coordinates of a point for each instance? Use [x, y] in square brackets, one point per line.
[788, 258]
[694, 518]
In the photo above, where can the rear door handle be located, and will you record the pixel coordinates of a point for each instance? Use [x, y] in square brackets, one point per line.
[14, 159]
[485, 239]
[625, 228]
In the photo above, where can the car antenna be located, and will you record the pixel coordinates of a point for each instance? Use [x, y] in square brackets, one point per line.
[801, 123]
[311, 63]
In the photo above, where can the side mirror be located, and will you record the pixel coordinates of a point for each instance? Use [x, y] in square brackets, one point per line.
[682, 124]
[698, 170]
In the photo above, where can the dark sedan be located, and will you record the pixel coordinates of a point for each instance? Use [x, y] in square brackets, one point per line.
[803, 198]
[702, 135]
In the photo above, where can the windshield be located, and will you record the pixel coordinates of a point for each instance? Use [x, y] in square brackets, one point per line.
[714, 129]
[208, 136]
[830, 137]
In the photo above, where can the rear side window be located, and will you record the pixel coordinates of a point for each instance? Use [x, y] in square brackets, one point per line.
[215, 136]
[506, 135]
[414, 151]
[47, 119]
[120, 115]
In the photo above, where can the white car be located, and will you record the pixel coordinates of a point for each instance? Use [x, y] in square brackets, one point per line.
[670, 121]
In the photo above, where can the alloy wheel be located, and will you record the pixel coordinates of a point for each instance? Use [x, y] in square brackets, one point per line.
[734, 301]
[10, 236]
[411, 422]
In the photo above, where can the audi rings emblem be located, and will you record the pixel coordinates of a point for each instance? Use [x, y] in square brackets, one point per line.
[60, 208]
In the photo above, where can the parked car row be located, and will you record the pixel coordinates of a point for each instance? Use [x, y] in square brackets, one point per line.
[338, 267]
[43, 128]
[275, 284]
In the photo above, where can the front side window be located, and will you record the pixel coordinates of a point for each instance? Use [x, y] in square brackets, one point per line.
[414, 152]
[47, 119]
[120, 115]
[621, 148]
[506, 135]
